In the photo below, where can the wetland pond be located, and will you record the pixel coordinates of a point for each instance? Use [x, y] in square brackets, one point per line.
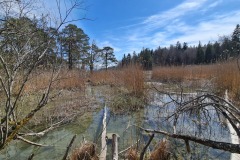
[152, 116]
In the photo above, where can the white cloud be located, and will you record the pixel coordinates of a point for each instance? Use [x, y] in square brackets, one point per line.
[214, 4]
[170, 26]
[162, 19]
[211, 5]
[107, 43]
[207, 30]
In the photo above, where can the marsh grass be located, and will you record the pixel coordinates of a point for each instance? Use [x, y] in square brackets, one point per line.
[182, 73]
[133, 80]
[224, 75]
[130, 77]
[67, 97]
[128, 85]
[66, 79]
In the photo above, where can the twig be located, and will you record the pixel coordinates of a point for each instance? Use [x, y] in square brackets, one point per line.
[31, 157]
[121, 152]
[68, 147]
[42, 133]
[30, 142]
[145, 148]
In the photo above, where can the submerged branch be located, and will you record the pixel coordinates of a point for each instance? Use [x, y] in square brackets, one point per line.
[42, 133]
[30, 142]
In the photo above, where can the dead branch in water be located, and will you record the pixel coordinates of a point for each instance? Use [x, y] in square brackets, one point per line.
[145, 147]
[42, 133]
[68, 147]
[30, 142]
[233, 148]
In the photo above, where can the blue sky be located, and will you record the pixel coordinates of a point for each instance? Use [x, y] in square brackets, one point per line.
[130, 25]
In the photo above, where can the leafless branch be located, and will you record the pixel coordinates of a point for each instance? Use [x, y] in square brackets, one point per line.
[145, 147]
[68, 147]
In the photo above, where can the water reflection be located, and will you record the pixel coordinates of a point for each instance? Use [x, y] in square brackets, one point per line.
[152, 116]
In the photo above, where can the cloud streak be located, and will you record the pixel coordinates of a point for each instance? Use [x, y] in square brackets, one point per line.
[188, 22]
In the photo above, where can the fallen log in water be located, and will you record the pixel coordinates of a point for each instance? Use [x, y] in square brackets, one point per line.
[114, 147]
[103, 154]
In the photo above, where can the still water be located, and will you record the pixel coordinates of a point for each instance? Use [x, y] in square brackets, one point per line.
[152, 116]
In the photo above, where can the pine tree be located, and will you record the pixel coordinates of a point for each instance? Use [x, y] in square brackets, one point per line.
[124, 61]
[236, 40]
[226, 48]
[129, 59]
[134, 58]
[208, 53]
[178, 46]
[200, 54]
[108, 57]
[216, 51]
[146, 58]
[75, 43]
[93, 56]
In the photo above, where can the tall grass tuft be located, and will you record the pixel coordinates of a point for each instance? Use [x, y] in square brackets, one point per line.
[133, 79]
[161, 152]
[85, 152]
[228, 78]
[130, 77]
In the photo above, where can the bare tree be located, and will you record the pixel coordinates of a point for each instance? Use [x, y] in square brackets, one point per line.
[22, 51]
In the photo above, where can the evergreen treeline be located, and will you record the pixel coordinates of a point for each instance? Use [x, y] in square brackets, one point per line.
[69, 45]
[182, 54]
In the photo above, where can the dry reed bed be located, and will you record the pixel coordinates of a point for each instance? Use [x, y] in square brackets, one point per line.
[225, 75]
[65, 79]
[131, 78]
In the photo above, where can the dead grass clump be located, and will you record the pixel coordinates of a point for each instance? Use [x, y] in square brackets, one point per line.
[85, 152]
[161, 152]
[132, 154]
